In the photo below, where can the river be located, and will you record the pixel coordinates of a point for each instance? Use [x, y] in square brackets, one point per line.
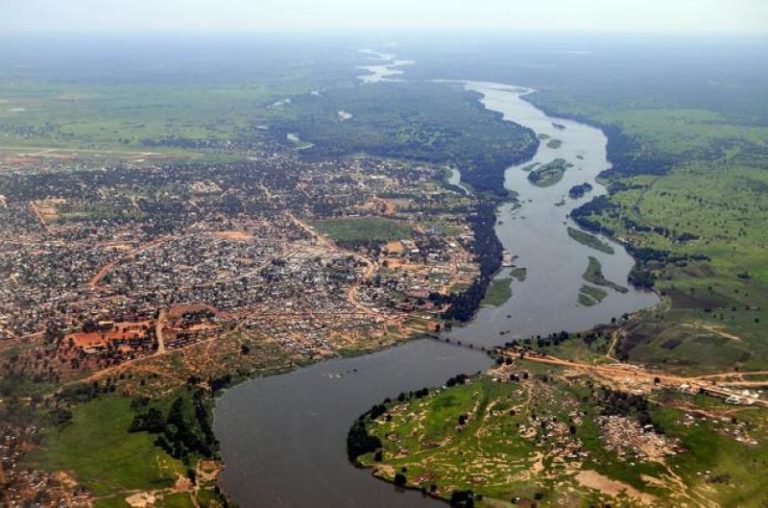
[383, 71]
[536, 233]
[283, 437]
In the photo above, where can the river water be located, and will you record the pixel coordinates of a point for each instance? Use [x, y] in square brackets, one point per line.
[536, 233]
[383, 71]
[283, 437]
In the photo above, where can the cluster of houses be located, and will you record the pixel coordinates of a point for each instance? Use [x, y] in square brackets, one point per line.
[234, 239]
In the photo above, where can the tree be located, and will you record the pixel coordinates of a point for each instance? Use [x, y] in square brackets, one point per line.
[462, 499]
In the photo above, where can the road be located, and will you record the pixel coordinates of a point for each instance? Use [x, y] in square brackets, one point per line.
[162, 318]
[622, 372]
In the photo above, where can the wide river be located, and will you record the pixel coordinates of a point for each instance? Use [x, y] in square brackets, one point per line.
[283, 438]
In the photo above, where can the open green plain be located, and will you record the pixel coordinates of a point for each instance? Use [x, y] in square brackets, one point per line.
[373, 229]
[709, 216]
[98, 448]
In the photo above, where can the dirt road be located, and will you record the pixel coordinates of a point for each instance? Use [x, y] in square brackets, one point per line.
[624, 372]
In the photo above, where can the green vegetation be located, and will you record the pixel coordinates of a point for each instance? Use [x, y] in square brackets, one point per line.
[549, 174]
[687, 192]
[554, 143]
[178, 500]
[133, 101]
[142, 117]
[718, 456]
[522, 439]
[369, 229]
[519, 273]
[117, 445]
[529, 167]
[703, 251]
[589, 240]
[435, 123]
[104, 456]
[498, 292]
[594, 274]
[590, 295]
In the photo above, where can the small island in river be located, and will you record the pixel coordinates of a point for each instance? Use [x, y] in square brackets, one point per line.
[549, 174]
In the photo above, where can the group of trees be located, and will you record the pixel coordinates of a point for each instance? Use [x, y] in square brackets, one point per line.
[614, 402]
[182, 433]
[489, 250]
[359, 442]
[421, 122]
[578, 191]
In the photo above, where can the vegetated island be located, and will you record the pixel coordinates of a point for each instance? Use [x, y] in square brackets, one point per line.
[594, 274]
[578, 191]
[589, 240]
[590, 295]
[498, 292]
[554, 143]
[519, 273]
[549, 174]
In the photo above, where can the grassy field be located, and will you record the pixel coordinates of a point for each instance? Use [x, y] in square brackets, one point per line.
[689, 183]
[113, 463]
[715, 276]
[143, 117]
[589, 240]
[544, 439]
[158, 93]
[97, 447]
[369, 229]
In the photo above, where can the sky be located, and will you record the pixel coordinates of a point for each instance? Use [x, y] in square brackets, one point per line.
[351, 15]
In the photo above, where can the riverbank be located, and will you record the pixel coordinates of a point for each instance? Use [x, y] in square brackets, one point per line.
[302, 433]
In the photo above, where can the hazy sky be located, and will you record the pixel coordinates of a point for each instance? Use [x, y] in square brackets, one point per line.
[279, 15]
